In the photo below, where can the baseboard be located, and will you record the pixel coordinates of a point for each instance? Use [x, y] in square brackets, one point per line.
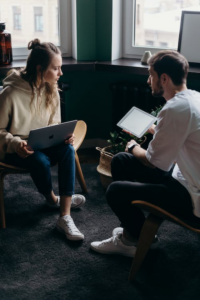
[92, 143]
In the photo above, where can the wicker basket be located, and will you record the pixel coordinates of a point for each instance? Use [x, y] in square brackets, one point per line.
[104, 167]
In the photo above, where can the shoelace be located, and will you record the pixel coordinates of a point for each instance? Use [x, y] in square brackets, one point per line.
[71, 226]
[114, 239]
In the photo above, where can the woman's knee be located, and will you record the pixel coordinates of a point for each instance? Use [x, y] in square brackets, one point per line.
[67, 150]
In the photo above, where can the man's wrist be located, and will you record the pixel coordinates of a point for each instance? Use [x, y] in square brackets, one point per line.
[131, 147]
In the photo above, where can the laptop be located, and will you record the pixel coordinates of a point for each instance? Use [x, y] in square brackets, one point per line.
[137, 121]
[51, 135]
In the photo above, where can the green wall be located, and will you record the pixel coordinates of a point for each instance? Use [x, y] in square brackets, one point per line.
[89, 98]
[94, 29]
[86, 30]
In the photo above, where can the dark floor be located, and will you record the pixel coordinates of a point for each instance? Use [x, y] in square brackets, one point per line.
[88, 155]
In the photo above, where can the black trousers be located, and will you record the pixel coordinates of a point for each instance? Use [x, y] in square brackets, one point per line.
[134, 181]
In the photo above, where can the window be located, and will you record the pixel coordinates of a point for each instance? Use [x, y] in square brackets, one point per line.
[48, 20]
[17, 18]
[163, 45]
[57, 22]
[149, 43]
[150, 25]
[38, 18]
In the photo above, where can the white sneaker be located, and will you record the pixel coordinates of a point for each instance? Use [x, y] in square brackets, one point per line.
[66, 225]
[114, 245]
[119, 230]
[77, 201]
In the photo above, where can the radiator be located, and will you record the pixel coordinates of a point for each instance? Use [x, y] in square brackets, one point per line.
[126, 95]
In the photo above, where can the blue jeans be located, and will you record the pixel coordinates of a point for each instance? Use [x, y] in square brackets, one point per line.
[40, 162]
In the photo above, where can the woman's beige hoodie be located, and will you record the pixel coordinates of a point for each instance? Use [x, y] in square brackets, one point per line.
[17, 118]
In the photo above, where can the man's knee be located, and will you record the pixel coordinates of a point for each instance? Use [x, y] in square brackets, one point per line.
[117, 162]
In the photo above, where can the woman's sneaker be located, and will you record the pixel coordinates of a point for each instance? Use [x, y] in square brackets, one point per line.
[114, 245]
[66, 225]
[119, 230]
[77, 201]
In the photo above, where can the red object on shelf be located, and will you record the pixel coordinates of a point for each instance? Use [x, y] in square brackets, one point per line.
[5, 45]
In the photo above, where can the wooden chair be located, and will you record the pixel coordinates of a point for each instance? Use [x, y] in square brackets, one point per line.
[80, 132]
[155, 218]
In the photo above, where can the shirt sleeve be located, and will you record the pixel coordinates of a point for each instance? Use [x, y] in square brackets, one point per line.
[8, 142]
[170, 134]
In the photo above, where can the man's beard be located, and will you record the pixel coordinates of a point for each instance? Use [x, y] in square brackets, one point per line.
[159, 91]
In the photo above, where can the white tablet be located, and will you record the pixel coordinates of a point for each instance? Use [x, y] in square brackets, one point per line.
[137, 121]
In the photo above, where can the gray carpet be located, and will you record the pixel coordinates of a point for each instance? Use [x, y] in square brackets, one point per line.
[37, 262]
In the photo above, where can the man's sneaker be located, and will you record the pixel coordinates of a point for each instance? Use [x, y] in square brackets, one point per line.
[77, 201]
[119, 230]
[66, 225]
[114, 245]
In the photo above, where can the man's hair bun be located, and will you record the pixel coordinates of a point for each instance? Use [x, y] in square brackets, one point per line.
[33, 44]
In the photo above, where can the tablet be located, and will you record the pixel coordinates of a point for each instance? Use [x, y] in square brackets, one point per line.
[137, 121]
[51, 135]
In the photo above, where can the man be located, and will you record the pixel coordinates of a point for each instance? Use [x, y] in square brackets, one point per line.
[167, 174]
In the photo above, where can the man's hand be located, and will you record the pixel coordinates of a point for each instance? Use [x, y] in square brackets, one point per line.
[127, 132]
[22, 150]
[129, 143]
[152, 129]
[70, 140]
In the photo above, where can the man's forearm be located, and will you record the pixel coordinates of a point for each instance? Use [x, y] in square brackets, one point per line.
[140, 154]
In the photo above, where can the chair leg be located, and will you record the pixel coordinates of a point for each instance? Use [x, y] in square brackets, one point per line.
[79, 174]
[2, 210]
[147, 235]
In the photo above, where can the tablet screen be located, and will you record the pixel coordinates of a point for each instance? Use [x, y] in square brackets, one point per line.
[137, 121]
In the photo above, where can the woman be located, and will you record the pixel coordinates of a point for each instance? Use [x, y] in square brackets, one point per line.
[30, 100]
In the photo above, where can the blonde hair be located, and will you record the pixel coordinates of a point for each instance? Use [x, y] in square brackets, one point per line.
[41, 54]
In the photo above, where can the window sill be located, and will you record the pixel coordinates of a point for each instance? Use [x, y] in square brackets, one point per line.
[134, 66]
[123, 65]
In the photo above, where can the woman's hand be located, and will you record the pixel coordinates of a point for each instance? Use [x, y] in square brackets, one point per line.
[152, 129]
[70, 140]
[22, 150]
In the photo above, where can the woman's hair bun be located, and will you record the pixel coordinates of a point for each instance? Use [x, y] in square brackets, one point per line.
[33, 44]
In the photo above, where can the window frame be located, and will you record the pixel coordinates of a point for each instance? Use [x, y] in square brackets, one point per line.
[129, 16]
[64, 11]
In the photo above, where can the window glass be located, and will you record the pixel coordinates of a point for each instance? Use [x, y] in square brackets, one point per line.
[26, 20]
[38, 16]
[17, 18]
[157, 22]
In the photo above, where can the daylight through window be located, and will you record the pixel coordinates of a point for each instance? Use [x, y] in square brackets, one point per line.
[26, 20]
[157, 22]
